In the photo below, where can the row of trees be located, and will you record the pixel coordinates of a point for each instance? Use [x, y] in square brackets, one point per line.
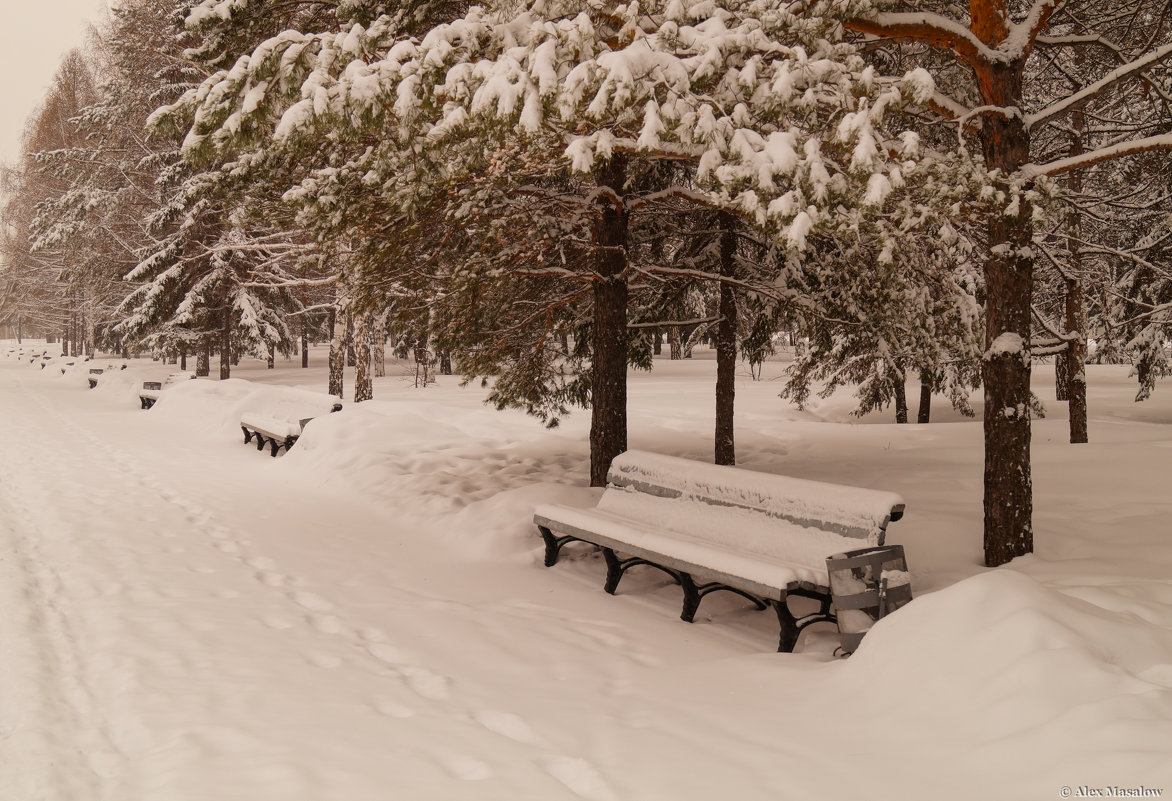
[537, 190]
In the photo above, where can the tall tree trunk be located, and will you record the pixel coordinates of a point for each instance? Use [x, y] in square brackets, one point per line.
[65, 340]
[363, 386]
[445, 362]
[1076, 318]
[1062, 376]
[608, 380]
[203, 358]
[351, 356]
[726, 346]
[183, 358]
[337, 351]
[656, 342]
[901, 397]
[304, 341]
[1005, 368]
[271, 362]
[226, 345]
[674, 343]
[378, 341]
[925, 412]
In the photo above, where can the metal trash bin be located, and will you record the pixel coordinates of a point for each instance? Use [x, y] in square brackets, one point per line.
[865, 585]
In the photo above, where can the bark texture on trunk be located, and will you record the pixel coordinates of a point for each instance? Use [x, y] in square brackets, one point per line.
[675, 343]
[351, 357]
[608, 380]
[363, 386]
[445, 362]
[901, 398]
[1076, 316]
[203, 359]
[271, 362]
[183, 358]
[925, 411]
[226, 345]
[726, 346]
[1005, 368]
[337, 351]
[1062, 376]
[304, 341]
[1076, 321]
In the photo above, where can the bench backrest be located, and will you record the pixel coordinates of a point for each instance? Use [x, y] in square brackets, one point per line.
[847, 511]
[152, 385]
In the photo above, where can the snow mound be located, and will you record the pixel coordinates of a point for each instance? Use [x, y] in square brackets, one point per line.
[215, 407]
[1000, 664]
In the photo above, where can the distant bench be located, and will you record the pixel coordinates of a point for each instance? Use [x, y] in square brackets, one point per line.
[93, 376]
[276, 432]
[152, 389]
[763, 536]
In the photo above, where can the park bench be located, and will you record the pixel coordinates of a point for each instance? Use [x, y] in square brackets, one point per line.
[276, 432]
[93, 376]
[762, 536]
[151, 389]
[150, 393]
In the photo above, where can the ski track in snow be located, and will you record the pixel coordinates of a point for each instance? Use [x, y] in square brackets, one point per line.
[90, 733]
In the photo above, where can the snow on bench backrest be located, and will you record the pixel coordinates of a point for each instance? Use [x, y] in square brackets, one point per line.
[848, 511]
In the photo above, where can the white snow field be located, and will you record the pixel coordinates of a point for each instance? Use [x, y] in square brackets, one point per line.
[367, 618]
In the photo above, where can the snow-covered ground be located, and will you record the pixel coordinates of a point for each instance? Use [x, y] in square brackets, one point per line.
[367, 617]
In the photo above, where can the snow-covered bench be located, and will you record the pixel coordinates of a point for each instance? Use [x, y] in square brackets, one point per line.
[150, 393]
[152, 389]
[93, 376]
[276, 432]
[763, 536]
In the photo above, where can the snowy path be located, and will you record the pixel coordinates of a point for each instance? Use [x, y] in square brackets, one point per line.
[138, 681]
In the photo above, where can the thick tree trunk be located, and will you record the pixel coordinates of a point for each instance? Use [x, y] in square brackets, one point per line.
[183, 358]
[674, 343]
[608, 380]
[363, 385]
[271, 362]
[445, 362]
[726, 346]
[656, 342]
[203, 359]
[337, 351]
[901, 398]
[1062, 376]
[226, 345]
[925, 412]
[1005, 369]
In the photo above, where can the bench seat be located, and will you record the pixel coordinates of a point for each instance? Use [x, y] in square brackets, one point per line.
[712, 528]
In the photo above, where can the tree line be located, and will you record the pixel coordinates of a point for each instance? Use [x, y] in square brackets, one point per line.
[539, 191]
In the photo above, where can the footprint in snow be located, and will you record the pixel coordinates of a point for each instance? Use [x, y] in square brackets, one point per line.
[326, 624]
[467, 768]
[270, 579]
[261, 563]
[393, 709]
[277, 622]
[314, 603]
[508, 725]
[386, 653]
[323, 660]
[426, 683]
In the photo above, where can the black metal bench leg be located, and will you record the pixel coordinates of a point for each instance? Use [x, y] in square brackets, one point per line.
[789, 626]
[276, 445]
[692, 598]
[614, 571]
[260, 442]
[247, 435]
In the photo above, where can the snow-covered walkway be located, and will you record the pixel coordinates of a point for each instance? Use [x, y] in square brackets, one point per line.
[185, 619]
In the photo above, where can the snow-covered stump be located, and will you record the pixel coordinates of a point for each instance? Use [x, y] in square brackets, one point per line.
[866, 585]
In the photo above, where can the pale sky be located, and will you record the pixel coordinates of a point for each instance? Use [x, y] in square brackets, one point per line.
[34, 35]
